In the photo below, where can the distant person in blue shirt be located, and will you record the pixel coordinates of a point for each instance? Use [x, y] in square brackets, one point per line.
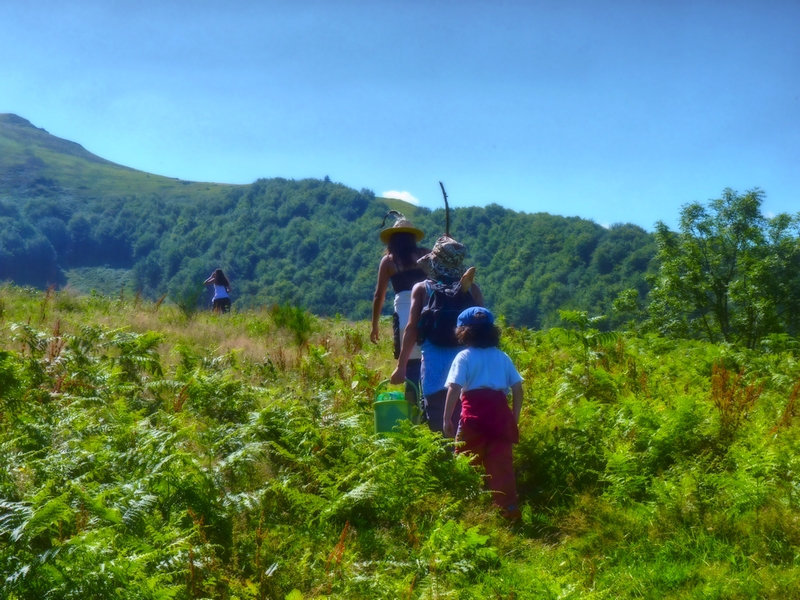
[444, 265]
[221, 302]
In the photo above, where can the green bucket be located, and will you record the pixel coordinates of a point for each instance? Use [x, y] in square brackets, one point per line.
[390, 408]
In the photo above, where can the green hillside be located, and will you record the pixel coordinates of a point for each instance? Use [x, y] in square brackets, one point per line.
[34, 163]
[68, 217]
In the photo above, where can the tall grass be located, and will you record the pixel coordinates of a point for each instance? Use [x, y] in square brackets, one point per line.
[145, 455]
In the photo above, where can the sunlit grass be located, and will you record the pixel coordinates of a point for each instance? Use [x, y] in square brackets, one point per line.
[138, 434]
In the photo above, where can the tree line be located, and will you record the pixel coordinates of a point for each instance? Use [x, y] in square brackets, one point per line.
[314, 243]
[729, 273]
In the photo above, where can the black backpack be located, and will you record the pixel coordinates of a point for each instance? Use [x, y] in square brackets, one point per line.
[437, 321]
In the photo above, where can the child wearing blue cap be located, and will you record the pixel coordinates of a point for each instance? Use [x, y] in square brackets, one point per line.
[481, 376]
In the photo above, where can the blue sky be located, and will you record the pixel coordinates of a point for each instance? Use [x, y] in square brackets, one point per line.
[612, 111]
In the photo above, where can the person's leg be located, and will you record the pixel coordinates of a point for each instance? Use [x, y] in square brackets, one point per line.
[470, 442]
[499, 464]
[434, 411]
[497, 461]
[397, 335]
[412, 389]
[436, 361]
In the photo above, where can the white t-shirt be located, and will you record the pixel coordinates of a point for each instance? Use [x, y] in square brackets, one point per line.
[475, 368]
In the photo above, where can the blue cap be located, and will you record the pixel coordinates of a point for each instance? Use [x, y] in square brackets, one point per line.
[475, 315]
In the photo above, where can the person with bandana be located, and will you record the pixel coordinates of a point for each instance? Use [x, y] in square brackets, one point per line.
[444, 265]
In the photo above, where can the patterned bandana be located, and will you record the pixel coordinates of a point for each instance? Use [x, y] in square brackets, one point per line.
[445, 262]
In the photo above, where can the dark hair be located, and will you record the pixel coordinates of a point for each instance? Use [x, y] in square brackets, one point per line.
[220, 279]
[485, 335]
[403, 248]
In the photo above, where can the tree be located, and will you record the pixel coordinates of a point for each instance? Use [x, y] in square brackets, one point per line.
[717, 275]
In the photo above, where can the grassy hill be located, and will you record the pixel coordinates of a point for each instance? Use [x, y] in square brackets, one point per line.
[33, 162]
[150, 454]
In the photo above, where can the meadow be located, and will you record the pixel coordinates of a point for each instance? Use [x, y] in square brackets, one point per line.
[154, 452]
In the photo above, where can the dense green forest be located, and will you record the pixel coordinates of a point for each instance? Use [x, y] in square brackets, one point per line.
[67, 216]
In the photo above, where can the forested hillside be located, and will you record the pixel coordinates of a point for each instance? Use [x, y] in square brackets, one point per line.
[69, 217]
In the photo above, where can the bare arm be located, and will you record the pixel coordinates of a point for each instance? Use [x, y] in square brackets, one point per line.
[453, 394]
[410, 332]
[380, 296]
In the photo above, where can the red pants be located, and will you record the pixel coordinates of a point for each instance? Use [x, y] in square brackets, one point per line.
[488, 432]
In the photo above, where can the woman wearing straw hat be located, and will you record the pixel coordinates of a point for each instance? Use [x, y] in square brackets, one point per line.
[443, 265]
[399, 267]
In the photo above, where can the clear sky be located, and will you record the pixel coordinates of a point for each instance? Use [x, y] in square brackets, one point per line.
[616, 111]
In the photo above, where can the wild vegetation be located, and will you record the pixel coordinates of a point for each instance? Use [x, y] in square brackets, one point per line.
[150, 452]
[730, 274]
[68, 217]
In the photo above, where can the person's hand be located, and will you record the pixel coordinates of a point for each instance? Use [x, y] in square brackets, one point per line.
[374, 335]
[467, 279]
[398, 376]
[449, 428]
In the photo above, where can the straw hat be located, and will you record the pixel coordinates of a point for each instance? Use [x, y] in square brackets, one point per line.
[401, 225]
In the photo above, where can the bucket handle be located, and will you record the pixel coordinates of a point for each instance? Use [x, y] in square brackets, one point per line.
[387, 382]
[413, 384]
